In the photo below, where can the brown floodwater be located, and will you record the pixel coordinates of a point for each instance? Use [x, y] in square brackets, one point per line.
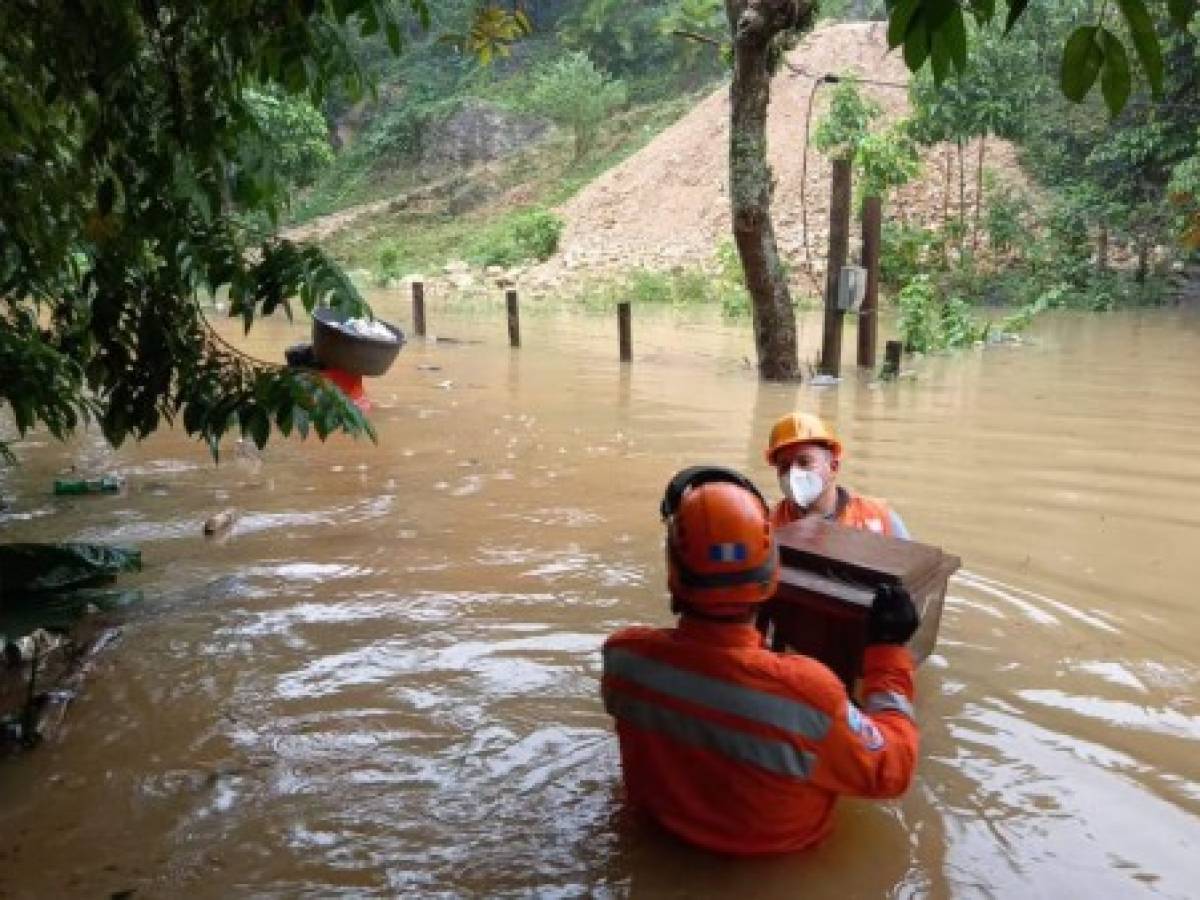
[385, 682]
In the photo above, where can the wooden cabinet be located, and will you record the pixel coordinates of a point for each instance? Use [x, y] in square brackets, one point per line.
[827, 582]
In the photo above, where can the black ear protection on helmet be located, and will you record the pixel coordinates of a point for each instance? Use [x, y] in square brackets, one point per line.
[694, 476]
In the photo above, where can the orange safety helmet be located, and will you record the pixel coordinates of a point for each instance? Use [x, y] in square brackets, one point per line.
[721, 556]
[801, 428]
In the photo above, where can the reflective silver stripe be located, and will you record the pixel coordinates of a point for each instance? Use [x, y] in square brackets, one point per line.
[775, 756]
[758, 706]
[889, 701]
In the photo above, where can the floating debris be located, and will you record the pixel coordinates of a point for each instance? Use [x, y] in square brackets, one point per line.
[220, 522]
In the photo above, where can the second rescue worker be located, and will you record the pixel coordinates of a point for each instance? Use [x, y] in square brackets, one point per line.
[807, 457]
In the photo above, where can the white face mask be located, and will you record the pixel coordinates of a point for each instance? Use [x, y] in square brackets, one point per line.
[801, 486]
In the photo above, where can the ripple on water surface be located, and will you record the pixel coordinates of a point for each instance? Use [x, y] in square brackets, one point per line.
[385, 682]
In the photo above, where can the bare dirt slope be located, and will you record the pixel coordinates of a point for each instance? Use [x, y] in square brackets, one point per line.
[668, 204]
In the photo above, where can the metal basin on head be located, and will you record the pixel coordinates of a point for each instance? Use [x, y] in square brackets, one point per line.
[359, 354]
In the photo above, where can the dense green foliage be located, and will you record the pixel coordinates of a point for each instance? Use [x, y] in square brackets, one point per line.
[1098, 46]
[524, 236]
[1108, 189]
[930, 320]
[640, 46]
[883, 158]
[295, 135]
[847, 123]
[574, 93]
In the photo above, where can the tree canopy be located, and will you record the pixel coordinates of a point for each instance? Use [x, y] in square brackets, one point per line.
[572, 92]
[935, 31]
[134, 178]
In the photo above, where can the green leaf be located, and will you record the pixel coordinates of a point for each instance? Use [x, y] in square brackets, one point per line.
[1181, 12]
[194, 416]
[1115, 80]
[393, 37]
[106, 195]
[285, 416]
[983, 10]
[1145, 42]
[1082, 58]
[421, 8]
[937, 12]
[899, 21]
[1016, 8]
[257, 425]
[369, 22]
[939, 56]
[955, 33]
[916, 45]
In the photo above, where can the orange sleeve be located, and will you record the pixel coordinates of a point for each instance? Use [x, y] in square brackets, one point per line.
[873, 752]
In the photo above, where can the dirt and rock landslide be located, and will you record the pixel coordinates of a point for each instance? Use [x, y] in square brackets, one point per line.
[668, 205]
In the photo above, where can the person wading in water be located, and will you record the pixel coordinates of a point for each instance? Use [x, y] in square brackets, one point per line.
[724, 743]
[807, 457]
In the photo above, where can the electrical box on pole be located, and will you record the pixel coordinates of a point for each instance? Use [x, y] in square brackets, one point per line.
[852, 287]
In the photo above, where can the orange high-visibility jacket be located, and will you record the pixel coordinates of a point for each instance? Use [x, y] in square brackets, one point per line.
[854, 511]
[741, 750]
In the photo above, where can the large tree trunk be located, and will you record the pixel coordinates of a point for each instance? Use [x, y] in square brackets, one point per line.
[1102, 247]
[753, 24]
[978, 193]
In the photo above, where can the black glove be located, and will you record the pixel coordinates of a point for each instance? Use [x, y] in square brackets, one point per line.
[893, 618]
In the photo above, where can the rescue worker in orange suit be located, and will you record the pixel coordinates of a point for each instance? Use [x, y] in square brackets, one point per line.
[807, 457]
[724, 743]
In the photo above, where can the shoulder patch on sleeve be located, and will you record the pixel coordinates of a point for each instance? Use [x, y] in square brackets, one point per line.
[867, 731]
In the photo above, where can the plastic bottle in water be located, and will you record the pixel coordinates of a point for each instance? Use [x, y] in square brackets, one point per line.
[108, 484]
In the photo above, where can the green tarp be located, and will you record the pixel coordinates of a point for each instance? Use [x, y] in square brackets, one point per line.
[38, 568]
[52, 585]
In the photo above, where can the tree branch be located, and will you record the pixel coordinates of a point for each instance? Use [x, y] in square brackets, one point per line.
[693, 36]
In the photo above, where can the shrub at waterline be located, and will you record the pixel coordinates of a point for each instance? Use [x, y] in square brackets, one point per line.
[529, 235]
[930, 321]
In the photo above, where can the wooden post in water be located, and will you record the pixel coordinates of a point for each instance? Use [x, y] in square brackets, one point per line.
[891, 358]
[418, 300]
[625, 330]
[839, 244]
[514, 318]
[868, 313]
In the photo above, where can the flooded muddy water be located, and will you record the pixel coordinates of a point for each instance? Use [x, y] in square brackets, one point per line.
[385, 682]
